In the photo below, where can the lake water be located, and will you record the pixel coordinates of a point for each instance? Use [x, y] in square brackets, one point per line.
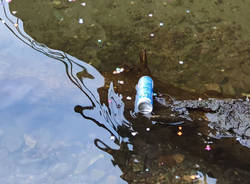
[54, 127]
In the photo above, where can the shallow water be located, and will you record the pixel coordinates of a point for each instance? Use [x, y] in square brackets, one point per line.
[44, 141]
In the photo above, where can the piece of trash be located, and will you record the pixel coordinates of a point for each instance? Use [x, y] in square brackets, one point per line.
[80, 21]
[181, 62]
[152, 34]
[150, 15]
[83, 4]
[99, 41]
[134, 133]
[128, 98]
[144, 102]
[120, 82]
[208, 147]
[161, 24]
[14, 12]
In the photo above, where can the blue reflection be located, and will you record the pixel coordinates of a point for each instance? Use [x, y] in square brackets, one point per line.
[42, 140]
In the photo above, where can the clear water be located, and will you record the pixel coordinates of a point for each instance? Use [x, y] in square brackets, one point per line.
[54, 127]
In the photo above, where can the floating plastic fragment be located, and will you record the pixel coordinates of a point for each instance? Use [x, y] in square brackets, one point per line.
[80, 21]
[120, 82]
[83, 4]
[134, 133]
[129, 98]
[208, 147]
[14, 12]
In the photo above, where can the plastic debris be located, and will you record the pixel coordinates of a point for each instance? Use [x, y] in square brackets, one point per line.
[120, 82]
[208, 147]
[14, 12]
[83, 4]
[80, 21]
[129, 98]
[134, 133]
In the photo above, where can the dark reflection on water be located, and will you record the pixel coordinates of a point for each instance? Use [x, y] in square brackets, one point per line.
[145, 151]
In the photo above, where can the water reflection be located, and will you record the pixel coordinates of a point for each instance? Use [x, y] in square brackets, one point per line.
[146, 152]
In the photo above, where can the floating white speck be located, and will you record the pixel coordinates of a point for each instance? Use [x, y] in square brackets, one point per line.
[136, 160]
[150, 15]
[147, 129]
[120, 82]
[187, 11]
[152, 34]
[181, 62]
[80, 21]
[129, 98]
[134, 133]
[161, 24]
[14, 12]
[99, 41]
[83, 4]
[147, 169]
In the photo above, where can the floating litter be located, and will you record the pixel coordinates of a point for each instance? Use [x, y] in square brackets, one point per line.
[120, 82]
[80, 21]
[14, 12]
[129, 98]
[83, 4]
[161, 24]
[99, 41]
[208, 147]
[150, 15]
[181, 62]
[134, 133]
[152, 34]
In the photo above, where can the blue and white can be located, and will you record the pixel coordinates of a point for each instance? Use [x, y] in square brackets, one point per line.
[144, 97]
